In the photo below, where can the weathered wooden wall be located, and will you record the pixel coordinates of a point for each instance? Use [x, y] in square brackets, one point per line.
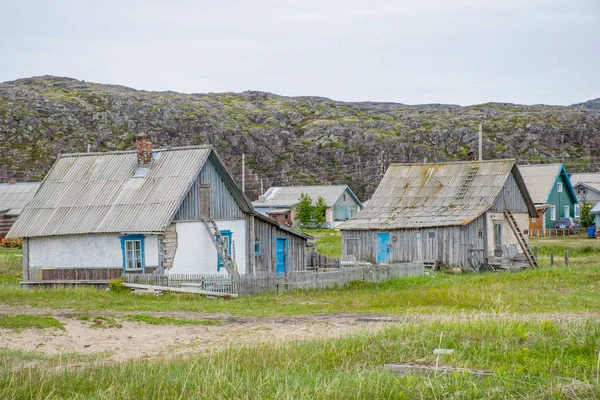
[223, 204]
[448, 245]
[267, 234]
[510, 196]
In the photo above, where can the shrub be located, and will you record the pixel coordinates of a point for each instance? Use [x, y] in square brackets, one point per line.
[116, 285]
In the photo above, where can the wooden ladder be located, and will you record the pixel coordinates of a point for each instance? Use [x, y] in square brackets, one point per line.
[468, 180]
[521, 239]
[223, 251]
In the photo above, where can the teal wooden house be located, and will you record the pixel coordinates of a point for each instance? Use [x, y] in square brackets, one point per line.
[549, 184]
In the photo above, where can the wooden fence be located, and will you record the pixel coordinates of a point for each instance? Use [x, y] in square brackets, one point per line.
[257, 284]
[539, 233]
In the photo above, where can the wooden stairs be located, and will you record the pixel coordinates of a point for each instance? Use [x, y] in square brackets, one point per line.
[521, 239]
[222, 251]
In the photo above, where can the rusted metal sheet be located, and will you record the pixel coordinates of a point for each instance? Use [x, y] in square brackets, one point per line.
[436, 195]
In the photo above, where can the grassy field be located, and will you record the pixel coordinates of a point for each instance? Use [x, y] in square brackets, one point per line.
[528, 360]
[520, 326]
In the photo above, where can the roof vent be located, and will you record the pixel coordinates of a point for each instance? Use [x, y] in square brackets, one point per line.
[261, 198]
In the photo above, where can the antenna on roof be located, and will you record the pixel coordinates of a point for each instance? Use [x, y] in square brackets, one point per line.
[89, 148]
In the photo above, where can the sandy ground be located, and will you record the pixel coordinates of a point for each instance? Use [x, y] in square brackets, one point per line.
[139, 340]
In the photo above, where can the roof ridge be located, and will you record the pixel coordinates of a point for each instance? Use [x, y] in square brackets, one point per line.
[161, 149]
[457, 162]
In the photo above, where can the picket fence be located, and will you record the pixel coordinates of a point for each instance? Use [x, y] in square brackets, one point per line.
[257, 284]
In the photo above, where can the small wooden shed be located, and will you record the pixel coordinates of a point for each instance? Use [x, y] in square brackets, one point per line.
[465, 214]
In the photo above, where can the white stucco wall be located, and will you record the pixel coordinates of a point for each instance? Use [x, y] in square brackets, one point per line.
[81, 251]
[196, 253]
[508, 236]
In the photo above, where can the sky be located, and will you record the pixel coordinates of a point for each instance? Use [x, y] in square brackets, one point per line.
[413, 52]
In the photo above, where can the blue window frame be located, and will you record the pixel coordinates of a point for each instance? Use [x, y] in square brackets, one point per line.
[227, 239]
[132, 249]
[257, 249]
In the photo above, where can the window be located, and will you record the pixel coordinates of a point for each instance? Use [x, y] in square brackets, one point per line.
[567, 211]
[581, 190]
[480, 234]
[432, 235]
[285, 216]
[576, 210]
[553, 213]
[498, 234]
[534, 220]
[559, 187]
[344, 196]
[257, 249]
[351, 213]
[132, 247]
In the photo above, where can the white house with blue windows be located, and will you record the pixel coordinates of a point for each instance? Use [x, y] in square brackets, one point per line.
[173, 211]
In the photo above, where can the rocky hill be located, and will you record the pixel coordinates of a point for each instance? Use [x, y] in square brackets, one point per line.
[287, 140]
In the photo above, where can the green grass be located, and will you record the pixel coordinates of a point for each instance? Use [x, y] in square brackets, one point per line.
[543, 290]
[29, 321]
[537, 360]
[11, 264]
[329, 241]
[149, 319]
[18, 359]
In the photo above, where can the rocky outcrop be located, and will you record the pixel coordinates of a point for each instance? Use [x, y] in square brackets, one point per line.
[287, 140]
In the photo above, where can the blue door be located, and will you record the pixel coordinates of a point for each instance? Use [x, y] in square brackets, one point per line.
[227, 244]
[281, 256]
[383, 247]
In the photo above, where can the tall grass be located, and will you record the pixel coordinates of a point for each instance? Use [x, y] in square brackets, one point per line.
[529, 360]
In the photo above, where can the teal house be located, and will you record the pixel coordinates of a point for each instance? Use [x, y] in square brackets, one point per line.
[549, 185]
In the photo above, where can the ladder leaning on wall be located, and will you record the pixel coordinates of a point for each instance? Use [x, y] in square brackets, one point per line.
[222, 251]
[521, 238]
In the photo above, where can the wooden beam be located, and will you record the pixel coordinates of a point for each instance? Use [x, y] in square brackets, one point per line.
[182, 290]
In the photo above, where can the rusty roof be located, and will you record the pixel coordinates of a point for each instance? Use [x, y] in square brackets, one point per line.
[430, 195]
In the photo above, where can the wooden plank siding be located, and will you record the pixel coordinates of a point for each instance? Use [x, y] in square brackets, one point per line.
[511, 196]
[266, 234]
[448, 245]
[222, 203]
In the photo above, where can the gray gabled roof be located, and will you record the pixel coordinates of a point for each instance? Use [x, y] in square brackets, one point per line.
[98, 193]
[288, 196]
[14, 197]
[587, 178]
[430, 195]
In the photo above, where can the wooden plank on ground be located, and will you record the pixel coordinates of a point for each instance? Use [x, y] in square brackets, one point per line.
[420, 369]
[182, 290]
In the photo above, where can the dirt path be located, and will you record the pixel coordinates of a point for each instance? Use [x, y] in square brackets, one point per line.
[140, 340]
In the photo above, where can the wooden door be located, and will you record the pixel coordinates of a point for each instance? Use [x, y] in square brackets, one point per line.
[205, 202]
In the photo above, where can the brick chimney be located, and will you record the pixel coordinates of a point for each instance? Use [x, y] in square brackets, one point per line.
[144, 150]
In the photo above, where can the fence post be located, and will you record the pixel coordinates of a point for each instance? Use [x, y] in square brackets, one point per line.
[551, 258]
[567, 258]
[535, 252]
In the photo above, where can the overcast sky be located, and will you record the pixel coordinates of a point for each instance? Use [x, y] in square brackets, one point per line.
[417, 51]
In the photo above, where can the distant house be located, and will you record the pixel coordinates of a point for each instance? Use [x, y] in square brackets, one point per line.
[13, 198]
[595, 211]
[279, 203]
[549, 185]
[467, 214]
[587, 187]
[175, 211]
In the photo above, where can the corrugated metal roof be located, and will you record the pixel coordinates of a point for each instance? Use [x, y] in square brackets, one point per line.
[540, 180]
[587, 178]
[596, 209]
[427, 195]
[288, 196]
[98, 193]
[14, 197]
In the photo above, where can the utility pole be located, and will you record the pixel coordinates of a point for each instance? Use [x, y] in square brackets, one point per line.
[480, 142]
[261, 187]
[89, 148]
[244, 172]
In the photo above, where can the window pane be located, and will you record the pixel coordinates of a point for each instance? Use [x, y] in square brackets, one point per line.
[138, 244]
[128, 245]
